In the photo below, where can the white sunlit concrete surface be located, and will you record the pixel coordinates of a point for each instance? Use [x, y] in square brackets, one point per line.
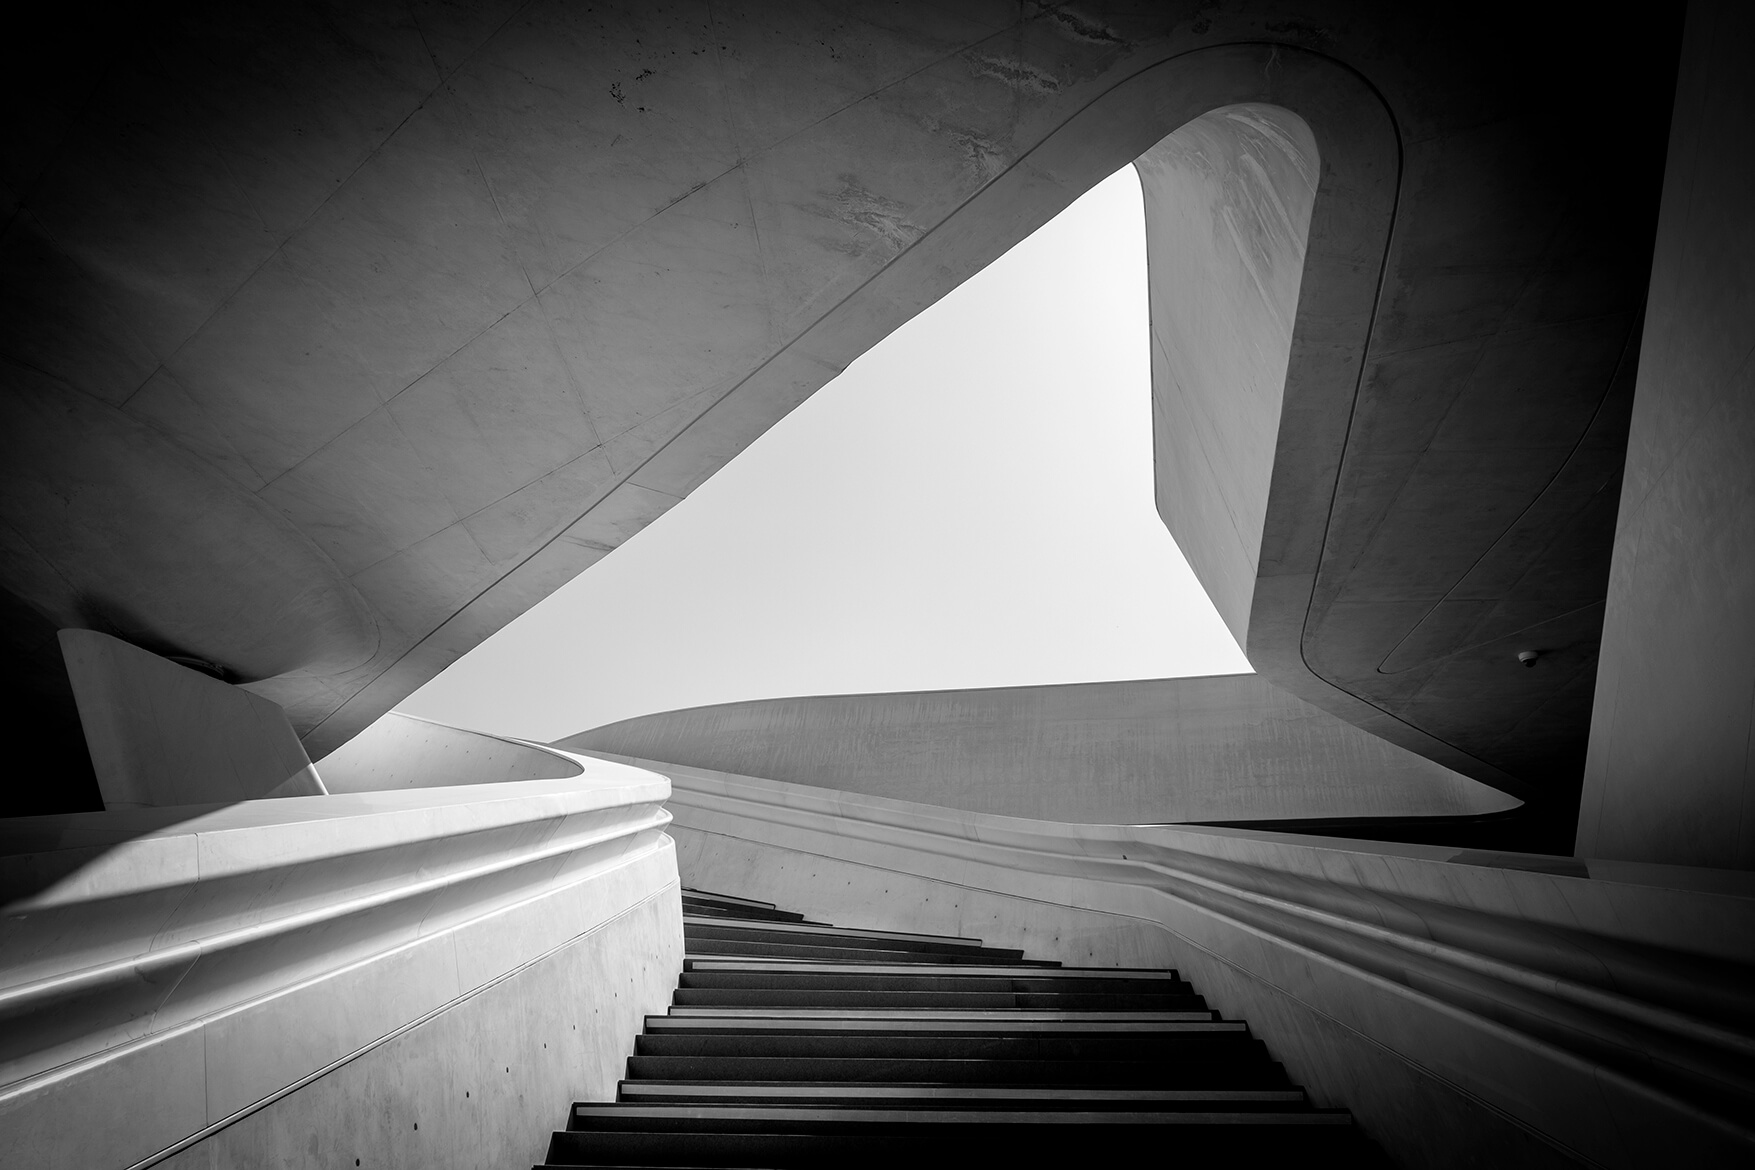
[429, 975]
[1470, 1009]
[405, 751]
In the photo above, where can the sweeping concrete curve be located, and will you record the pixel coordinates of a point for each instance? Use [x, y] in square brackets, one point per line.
[469, 298]
[1227, 748]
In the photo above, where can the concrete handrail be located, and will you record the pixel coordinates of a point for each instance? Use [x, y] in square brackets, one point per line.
[238, 950]
[1634, 985]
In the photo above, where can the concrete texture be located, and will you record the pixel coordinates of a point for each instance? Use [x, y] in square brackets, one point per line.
[484, 1082]
[1469, 1009]
[1228, 201]
[174, 970]
[160, 733]
[1194, 749]
[335, 341]
[405, 751]
[1671, 775]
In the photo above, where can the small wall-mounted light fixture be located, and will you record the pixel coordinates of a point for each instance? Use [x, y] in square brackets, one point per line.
[1528, 657]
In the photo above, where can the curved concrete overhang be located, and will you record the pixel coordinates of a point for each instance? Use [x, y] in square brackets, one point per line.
[930, 258]
[1149, 751]
[466, 300]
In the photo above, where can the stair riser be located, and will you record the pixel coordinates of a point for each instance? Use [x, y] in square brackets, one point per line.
[1027, 1145]
[1175, 1048]
[858, 1101]
[729, 914]
[1208, 1073]
[961, 983]
[698, 933]
[694, 997]
[857, 951]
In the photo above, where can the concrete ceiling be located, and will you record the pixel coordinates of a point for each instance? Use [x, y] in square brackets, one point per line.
[334, 339]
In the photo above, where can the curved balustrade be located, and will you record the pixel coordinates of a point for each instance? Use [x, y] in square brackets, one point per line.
[1511, 1008]
[211, 961]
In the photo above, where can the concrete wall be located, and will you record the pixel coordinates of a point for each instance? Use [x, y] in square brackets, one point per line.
[1184, 749]
[485, 1082]
[335, 340]
[162, 734]
[405, 751]
[292, 982]
[1228, 199]
[1671, 775]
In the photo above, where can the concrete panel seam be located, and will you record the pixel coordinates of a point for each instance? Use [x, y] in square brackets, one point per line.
[410, 1026]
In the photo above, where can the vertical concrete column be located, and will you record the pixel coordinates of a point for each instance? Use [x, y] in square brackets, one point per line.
[1669, 776]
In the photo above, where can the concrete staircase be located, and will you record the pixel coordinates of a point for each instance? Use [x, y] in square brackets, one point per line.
[796, 1043]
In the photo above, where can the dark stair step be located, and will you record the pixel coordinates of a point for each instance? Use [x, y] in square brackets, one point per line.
[1026, 1014]
[805, 932]
[956, 1096]
[1042, 1139]
[703, 948]
[716, 956]
[742, 914]
[1193, 1044]
[732, 900]
[1236, 1069]
[1021, 981]
[714, 938]
[964, 1000]
[1031, 968]
[774, 1119]
[990, 1024]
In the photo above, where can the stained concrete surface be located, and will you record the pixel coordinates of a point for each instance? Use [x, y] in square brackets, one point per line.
[1671, 774]
[484, 1082]
[433, 308]
[1231, 747]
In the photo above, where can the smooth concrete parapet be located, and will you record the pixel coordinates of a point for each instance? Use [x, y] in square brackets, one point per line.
[406, 751]
[175, 971]
[1471, 1009]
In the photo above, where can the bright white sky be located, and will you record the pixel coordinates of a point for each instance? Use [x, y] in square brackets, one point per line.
[968, 505]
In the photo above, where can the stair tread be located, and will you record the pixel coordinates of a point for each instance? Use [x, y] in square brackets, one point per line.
[823, 929]
[706, 963]
[792, 1043]
[998, 1024]
[1017, 970]
[828, 951]
[775, 1013]
[786, 1090]
[774, 1114]
[708, 895]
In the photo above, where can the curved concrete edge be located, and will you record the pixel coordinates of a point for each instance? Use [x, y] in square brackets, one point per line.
[406, 751]
[1146, 751]
[202, 970]
[1469, 1011]
[1348, 238]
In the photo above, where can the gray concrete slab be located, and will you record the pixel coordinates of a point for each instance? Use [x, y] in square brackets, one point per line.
[337, 342]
